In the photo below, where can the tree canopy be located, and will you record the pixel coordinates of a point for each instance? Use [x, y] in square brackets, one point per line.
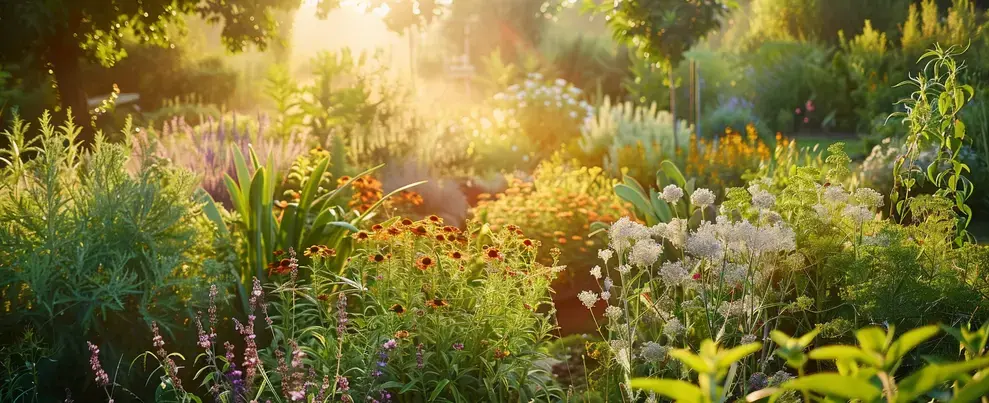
[55, 35]
[662, 30]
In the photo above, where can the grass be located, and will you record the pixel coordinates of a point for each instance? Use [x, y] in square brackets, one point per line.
[854, 145]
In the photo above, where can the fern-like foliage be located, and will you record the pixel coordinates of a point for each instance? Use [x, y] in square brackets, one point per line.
[91, 249]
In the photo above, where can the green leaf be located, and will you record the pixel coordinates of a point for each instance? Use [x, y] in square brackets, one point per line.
[675, 389]
[691, 360]
[439, 388]
[212, 212]
[908, 341]
[312, 184]
[851, 353]
[673, 173]
[935, 375]
[637, 199]
[871, 338]
[727, 358]
[835, 385]
[959, 129]
[973, 391]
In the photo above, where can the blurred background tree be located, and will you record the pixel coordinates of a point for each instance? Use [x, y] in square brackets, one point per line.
[57, 35]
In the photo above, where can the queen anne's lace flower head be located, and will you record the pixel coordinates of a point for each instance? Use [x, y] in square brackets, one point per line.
[671, 194]
[625, 232]
[702, 198]
[606, 254]
[653, 352]
[588, 298]
[835, 194]
[613, 312]
[704, 243]
[596, 272]
[761, 198]
[868, 198]
[674, 273]
[858, 214]
[645, 253]
[673, 328]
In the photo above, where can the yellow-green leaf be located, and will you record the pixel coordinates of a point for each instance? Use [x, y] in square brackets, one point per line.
[675, 389]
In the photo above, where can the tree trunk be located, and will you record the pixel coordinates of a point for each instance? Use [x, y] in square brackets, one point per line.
[64, 55]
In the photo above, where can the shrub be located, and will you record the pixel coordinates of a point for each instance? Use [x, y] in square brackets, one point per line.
[422, 310]
[557, 206]
[720, 163]
[630, 139]
[87, 246]
[550, 113]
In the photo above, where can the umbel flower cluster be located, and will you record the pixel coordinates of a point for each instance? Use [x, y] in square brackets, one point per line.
[670, 284]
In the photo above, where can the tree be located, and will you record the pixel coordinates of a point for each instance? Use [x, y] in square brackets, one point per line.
[55, 35]
[662, 30]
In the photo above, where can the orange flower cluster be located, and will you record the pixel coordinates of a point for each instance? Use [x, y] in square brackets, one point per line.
[720, 163]
[558, 208]
[368, 191]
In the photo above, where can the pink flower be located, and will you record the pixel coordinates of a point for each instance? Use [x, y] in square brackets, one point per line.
[797, 111]
[809, 105]
[806, 120]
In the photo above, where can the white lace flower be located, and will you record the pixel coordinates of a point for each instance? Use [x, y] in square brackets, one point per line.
[868, 198]
[608, 283]
[653, 352]
[702, 198]
[671, 194]
[858, 214]
[734, 274]
[605, 254]
[624, 232]
[596, 272]
[674, 274]
[835, 194]
[763, 199]
[624, 269]
[645, 253]
[613, 312]
[588, 298]
[605, 295]
[673, 328]
[704, 243]
[749, 338]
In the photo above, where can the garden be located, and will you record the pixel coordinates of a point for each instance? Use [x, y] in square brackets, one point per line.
[405, 201]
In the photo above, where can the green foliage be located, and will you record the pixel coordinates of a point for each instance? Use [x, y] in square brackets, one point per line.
[712, 365]
[662, 30]
[931, 116]
[312, 219]
[630, 139]
[91, 243]
[867, 372]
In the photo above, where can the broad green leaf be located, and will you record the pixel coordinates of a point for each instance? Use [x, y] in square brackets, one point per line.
[908, 341]
[729, 357]
[973, 391]
[309, 192]
[835, 385]
[806, 339]
[212, 212]
[677, 390]
[673, 173]
[842, 353]
[935, 375]
[243, 174]
[871, 338]
[630, 195]
[691, 360]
